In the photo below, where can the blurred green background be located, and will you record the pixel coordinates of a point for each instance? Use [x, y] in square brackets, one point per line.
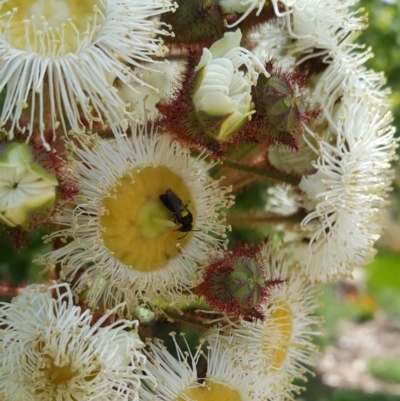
[371, 303]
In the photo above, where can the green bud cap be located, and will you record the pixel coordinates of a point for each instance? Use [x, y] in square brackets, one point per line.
[284, 107]
[246, 282]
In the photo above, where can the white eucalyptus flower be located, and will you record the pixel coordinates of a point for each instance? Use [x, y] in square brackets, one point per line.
[52, 350]
[279, 348]
[178, 379]
[350, 147]
[283, 200]
[318, 26]
[223, 90]
[271, 41]
[243, 6]
[308, 29]
[141, 100]
[346, 75]
[25, 186]
[135, 246]
[349, 190]
[57, 57]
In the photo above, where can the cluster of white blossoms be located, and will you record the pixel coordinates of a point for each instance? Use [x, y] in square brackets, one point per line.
[345, 156]
[347, 193]
[127, 127]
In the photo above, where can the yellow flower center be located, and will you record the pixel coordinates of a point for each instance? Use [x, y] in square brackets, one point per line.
[138, 228]
[55, 376]
[278, 331]
[50, 27]
[210, 392]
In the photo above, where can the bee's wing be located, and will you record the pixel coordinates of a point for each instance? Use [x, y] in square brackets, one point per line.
[166, 200]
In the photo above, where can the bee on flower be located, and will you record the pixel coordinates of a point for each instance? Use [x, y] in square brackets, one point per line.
[131, 242]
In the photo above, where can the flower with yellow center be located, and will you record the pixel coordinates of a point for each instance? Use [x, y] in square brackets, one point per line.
[51, 350]
[187, 378]
[147, 218]
[58, 57]
[280, 347]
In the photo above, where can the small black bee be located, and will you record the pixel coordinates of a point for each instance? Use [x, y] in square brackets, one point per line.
[181, 213]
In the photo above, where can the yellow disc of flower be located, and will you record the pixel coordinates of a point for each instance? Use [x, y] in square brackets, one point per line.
[57, 375]
[281, 322]
[138, 228]
[49, 26]
[210, 392]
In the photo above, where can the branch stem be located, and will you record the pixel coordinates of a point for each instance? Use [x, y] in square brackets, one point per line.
[275, 176]
[244, 219]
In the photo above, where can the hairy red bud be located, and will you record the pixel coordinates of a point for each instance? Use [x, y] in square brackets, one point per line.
[281, 107]
[236, 283]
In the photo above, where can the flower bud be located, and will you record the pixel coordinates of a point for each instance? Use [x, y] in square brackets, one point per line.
[236, 284]
[281, 107]
[25, 186]
[284, 105]
[214, 101]
[222, 90]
